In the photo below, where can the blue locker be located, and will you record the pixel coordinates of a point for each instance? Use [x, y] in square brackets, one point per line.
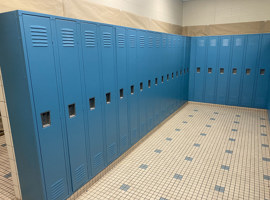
[187, 51]
[201, 53]
[38, 36]
[211, 69]
[110, 93]
[263, 73]
[192, 69]
[249, 70]
[132, 70]
[236, 70]
[93, 90]
[158, 75]
[122, 86]
[142, 81]
[164, 64]
[223, 69]
[69, 63]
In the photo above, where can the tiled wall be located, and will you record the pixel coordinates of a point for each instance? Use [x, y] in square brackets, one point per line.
[9, 141]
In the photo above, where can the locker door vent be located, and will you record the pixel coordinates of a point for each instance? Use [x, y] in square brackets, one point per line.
[46, 119]
[57, 189]
[124, 140]
[67, 37]
[107, 39]
[248, 71]
[142, 43]
[225, 42]
[111, 150]
[163, 42]
[132, 41]
[90, 38]
[98, 161]
[262, 71]
[39, 36]
[201, 43]
[169, 43]
[121, 40]
[158, 42]
[80, 173]
[213, 42]
[150, 42]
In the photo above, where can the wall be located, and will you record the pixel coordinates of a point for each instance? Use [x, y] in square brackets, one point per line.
[206, 12]
[230, 70]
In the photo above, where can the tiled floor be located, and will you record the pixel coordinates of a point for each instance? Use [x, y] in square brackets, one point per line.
[203, 152]
[6, 184]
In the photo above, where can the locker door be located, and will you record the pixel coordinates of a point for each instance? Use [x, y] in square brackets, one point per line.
[263, 73]
[211, 70]
[110, 94]
[236, 70]
[93, 88]
[121, 59]
[132, 70]
[223, 69]
[163, 76]
[156, 80]
[249, 73]
[142, 81]
[192, 69]
[44, 85]
[199, 78]
[69, 60]
[158, 76]
[187, 61]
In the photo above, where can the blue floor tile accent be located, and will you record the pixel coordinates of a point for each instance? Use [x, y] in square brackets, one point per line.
[158, 151]
[3, 145]
[8, 175]
[203, 134]
[229, 151]
[212, 119]
[263, 126]
[219, 188]
[262, 118]
[184, 122]
[216, 113]
[178, 176]
[161, 198]
[207, 125]
[143, 166]
[234, 130]
[266, 159]
[196, 110]
[197, 145]
[238, 115]
[169, 139]
[225, 167]
[266, 177]
[231, 139]
[265, 145]
[178, 129]
[236, 122]
[188, 158]
[263, 134]
[190, 115]
[124, 187]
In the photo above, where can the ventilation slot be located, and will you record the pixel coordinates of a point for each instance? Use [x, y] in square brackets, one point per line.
[92, 103]
[121, 93]
[111, 150]
[121, 40]
[248, 71]
[67, 37]
[141, 86]
[46, 119]
[164, 42]
[169, 43]
[132, 89]
[80, 173]
[107, 39]
[198, 70]
[90, 38]
[71, 110]
[142, 43]
[57, 189]
[156, 81]
[39, 36]
[132, 41]
[234, 71]
[150, 42]
[158, 42]
[124, 141]
[262, 71]
[221, 70]
[98, 161]
[108, 98]
[149, 83]
[209, 70]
